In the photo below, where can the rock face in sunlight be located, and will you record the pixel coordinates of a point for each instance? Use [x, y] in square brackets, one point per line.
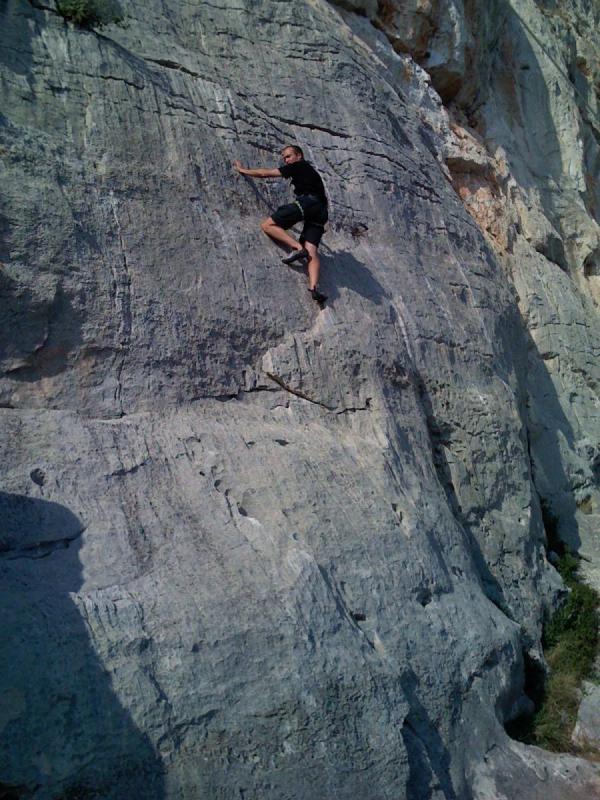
[253, 548]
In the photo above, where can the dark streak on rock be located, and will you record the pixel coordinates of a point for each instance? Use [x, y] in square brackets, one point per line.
[39, 549]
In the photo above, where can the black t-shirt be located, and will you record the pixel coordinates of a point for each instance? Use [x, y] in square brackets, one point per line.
[305, 178]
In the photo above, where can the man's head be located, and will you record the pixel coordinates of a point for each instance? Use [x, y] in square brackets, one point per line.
[292, 153]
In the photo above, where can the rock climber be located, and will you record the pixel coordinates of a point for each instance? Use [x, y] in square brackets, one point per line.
[309, 207]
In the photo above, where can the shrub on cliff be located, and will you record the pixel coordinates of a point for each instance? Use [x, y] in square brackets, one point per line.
[570, 644]
[88, 13]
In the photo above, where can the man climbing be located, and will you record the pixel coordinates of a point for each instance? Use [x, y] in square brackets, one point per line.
[309, 207]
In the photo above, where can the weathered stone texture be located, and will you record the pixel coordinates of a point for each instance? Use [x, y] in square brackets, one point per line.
[519, 139]
[587, 729]
[251, 548]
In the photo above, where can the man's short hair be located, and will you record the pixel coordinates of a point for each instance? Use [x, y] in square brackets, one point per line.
[295, 148]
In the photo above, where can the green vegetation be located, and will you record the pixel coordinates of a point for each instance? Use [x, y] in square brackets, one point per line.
[88, 13]
[570, 643]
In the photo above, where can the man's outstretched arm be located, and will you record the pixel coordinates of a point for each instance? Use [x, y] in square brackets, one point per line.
[256, 173]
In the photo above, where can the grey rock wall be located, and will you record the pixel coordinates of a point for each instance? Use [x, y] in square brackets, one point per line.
[252, 548]
[518, 135]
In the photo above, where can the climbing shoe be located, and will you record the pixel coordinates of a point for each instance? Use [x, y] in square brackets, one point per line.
[296, 255]
[318, 296]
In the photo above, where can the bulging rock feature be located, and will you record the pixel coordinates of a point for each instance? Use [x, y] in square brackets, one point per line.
[256, 548]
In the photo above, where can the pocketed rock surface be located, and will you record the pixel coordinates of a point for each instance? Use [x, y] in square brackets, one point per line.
[252, 548]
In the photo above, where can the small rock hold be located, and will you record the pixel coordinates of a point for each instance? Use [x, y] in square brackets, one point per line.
[38, 476]
[359, 230]
[424, 596]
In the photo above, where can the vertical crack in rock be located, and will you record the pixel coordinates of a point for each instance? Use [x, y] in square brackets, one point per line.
[353, 618]
[122, 300]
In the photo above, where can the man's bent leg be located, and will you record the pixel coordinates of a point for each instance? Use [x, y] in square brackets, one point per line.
[314, 265]
[278, 234]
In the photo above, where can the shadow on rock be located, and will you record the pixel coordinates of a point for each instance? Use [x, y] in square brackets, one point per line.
[342, 269]
[64, 732]
[40, 329]
[547, 427]
[438, 438]
[428, 758]
[17, 24]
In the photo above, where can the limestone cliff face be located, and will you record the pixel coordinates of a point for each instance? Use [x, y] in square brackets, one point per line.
[514, 114]
[252, 548]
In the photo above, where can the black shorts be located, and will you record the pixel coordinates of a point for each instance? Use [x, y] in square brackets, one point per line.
[308, 209]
